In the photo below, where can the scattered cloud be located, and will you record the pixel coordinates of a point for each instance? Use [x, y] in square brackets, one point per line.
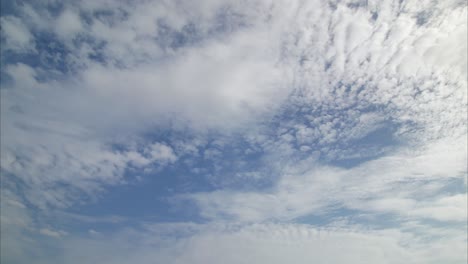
[259, 131]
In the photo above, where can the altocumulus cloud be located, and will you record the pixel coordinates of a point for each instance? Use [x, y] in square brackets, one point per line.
[234, 131]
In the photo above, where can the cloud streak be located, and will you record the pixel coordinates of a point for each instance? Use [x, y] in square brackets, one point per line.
[261, 131]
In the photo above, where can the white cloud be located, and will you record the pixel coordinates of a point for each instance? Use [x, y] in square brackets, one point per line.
[52, 233]
[68, 24]
[17, 36]
[292, 77]
[44, 151]
[154, 153]
[377, 186]
[448, 208]
[259, 243]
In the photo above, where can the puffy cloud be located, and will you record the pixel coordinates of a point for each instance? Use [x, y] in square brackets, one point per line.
[271, 96]
[16, 35]
[68, 24]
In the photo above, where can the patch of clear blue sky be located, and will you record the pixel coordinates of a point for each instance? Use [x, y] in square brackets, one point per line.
[375, 141]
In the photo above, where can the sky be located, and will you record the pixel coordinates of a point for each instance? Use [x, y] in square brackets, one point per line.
[233, 132]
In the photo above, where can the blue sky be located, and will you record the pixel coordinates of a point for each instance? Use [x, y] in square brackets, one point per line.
[233, 132]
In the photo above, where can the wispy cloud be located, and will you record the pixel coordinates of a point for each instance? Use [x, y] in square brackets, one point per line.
[261, 131]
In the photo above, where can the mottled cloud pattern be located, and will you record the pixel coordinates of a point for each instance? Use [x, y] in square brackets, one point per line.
[234, 131]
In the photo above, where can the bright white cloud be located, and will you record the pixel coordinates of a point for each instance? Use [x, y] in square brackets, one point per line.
[68, 24]
[377, 186]
[17, 36]
[267, 95]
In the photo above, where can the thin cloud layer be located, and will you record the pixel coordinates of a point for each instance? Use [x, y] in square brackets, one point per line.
[234, 132]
